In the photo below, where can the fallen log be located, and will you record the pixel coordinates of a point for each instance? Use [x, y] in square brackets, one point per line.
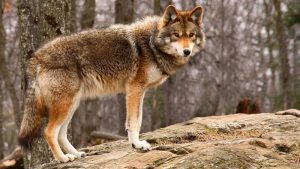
[107, 136]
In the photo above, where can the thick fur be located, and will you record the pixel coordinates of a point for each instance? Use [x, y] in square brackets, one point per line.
[33, 111]
[121, 58]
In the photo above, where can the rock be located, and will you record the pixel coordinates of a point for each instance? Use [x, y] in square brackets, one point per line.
[293, 112]
[236, 141]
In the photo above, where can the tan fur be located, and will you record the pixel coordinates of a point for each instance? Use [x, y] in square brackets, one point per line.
[120, 59]
[57, 115]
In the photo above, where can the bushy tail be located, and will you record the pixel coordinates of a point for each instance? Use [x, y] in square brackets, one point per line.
[33, 110]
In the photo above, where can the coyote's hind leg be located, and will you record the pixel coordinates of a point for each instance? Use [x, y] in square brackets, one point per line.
[62, 136]
[58, 114]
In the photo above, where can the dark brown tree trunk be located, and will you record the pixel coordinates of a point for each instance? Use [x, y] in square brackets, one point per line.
[124, 13]
[2, 57]
[219, 62]
[73, 26]
[88, 14]
[295, 74]
[283, 55]
[168, 108]
[1, 122]
[270, 45]
[39, 21]
[122, 114]
[157, 108]
[157, 7]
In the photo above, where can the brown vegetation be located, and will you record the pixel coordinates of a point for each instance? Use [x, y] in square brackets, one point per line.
[247, 106]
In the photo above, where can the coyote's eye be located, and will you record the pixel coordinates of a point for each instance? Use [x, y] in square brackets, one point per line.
[191, 35]
[176, 35]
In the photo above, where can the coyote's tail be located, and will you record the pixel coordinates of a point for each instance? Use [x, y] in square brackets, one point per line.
[33, 110]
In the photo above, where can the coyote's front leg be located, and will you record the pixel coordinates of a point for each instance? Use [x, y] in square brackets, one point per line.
[134, 104]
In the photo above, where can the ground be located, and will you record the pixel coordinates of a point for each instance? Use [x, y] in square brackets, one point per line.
[265, 140]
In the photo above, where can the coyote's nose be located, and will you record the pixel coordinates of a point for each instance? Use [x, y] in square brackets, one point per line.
[186, 52]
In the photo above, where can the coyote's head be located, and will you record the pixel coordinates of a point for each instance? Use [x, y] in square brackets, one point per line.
[180, 33]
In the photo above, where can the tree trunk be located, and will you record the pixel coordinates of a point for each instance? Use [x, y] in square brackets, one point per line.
[270, 45]
[2, 57]
[296, 74]
[124, 13]
[122, 114]
[88, 14]
[1, 122]
[39, 21]
[220, 85]
[283, 55]
[9, 85]
[157, 99]
[73, 25]
[157, 7]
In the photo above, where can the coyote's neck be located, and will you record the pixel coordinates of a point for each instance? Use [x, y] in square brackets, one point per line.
[167, 63]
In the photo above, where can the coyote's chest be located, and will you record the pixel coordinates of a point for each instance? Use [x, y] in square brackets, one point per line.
[155, 76]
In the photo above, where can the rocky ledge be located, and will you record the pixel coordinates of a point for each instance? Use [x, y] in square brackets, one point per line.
[267, 140]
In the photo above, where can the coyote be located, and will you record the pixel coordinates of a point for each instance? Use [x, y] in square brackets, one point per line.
[119, 59]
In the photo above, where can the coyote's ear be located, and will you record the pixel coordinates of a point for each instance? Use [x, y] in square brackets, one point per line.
[170, 14]
[197, 14]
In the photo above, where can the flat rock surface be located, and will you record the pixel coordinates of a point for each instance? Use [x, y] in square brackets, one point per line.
[266, 140]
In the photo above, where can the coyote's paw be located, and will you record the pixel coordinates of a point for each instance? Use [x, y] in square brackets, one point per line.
[143, 145]
[66, 158]
[80, 154]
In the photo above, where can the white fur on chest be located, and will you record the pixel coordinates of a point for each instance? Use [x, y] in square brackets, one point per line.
[155, 75]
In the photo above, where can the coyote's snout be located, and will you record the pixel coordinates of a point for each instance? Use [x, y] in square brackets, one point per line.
[119, 59]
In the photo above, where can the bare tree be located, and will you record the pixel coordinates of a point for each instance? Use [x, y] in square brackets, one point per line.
[4, 71]
[1, 123]
[283, 54]
[270, 45]
[2, 57]
[40, 20]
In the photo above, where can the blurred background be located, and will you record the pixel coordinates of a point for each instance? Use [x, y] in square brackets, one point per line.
[250, 64]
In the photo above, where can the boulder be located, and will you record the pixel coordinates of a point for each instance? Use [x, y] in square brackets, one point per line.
[266, 140]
